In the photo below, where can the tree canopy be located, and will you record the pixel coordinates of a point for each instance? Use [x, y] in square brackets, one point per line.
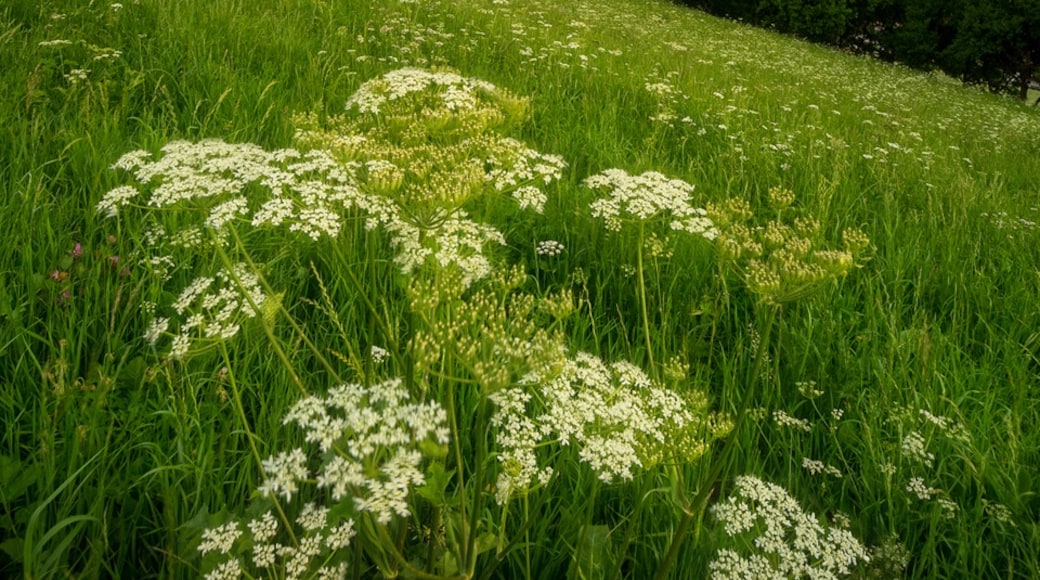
[991, 42]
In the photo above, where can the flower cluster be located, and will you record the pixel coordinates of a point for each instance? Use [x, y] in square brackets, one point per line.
[646, 197]
[227, 181]
[311, 192]
[549, 248]
[426, 144]
[369, 438]
[615, 415]
[210, 308]
[784, 541]
[316, 548]
[492, 333]
[454, 92]
[781, 260]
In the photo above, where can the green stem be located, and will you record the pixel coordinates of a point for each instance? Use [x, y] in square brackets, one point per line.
[632, 525]
[642, 300]
[229, 267]
[696, 507]
[456, 440]
[236, 395]
[527, 540]
[414, 572]
[477, 480]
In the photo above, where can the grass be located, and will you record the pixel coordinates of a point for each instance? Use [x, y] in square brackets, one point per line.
[914, 365]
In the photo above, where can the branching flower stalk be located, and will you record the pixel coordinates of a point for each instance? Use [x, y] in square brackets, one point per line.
[642, 199]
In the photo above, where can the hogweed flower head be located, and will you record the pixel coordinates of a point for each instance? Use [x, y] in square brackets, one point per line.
[442, 100]
[372, 441]
[646, 197]
[371, 438]
[549, 248]
[210, 308]
[617, 418]
[424, 144]
[223, 182]
[781, 260]
[781, 540]
[320, 538]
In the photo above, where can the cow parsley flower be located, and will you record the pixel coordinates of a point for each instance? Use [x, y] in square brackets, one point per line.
[454, 91]
[220, 539]
[116, 198]
[549, 248]
[283, 472]
[617, 418]
[372, 432]
[650, 196]
[786, 542]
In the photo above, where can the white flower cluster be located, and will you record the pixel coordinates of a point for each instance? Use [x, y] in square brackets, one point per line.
[414, 191]
[306, 191]
[614, 414]
[319, 537]
[514, 166]
[785, 420]
[646, 197]
[549, 248]
[369, 437]
[454, 91]
[816, 467]
[211, 307]
[915, 447]
[919, 488]
[788, 543]
[457, 242]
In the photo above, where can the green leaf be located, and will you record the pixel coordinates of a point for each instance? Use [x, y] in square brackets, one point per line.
[13, 547]
[132, 373]
[593, 557]
[435, 489]
[15, 478]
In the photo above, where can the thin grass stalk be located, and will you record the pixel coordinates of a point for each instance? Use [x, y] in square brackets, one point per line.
[627, 540]
[405, 564]
[477, 478]
[463, 556]
[292, 322]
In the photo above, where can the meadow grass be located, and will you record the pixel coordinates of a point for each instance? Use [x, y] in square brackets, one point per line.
[854, 335]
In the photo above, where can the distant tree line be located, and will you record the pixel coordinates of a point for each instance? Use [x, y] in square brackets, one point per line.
[991, 42]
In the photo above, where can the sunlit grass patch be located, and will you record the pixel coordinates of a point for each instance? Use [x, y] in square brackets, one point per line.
[619, 258]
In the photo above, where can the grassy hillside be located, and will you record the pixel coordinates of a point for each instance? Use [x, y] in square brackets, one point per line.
[503, 288]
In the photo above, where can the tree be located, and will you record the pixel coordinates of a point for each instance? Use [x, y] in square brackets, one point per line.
[997, 42]
[819, 20]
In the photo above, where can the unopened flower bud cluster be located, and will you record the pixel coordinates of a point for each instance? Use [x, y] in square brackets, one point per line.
[781, 260]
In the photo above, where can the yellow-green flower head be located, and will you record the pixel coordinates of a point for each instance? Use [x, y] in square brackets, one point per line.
[780, 197]
[436, 102]
[855, 240]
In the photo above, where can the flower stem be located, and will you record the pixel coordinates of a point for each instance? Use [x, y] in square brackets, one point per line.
[642, 300]
[700, 502]
[250, 436]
